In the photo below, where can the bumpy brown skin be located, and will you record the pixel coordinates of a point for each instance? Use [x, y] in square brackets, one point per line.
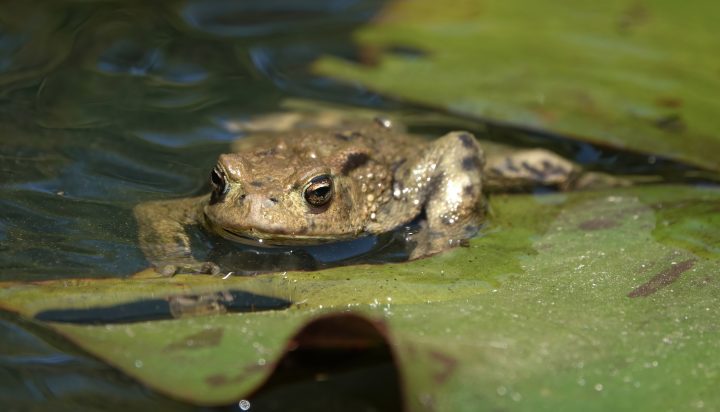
[382, 178]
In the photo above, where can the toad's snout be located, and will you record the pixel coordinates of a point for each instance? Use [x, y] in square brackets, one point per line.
[259, 202]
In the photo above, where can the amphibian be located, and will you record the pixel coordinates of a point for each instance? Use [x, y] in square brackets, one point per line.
[339, 180]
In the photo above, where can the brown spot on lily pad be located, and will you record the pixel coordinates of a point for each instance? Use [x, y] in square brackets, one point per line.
[598, 224]
[632, 17]
[662, 279]
[203, 339]
[669, 102]
[447, 363]
[673, 123]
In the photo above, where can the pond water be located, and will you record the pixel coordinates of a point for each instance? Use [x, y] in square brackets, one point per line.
[104, 105]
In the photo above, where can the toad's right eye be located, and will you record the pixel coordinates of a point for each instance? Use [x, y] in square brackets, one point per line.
[218, 183]
[319, 191]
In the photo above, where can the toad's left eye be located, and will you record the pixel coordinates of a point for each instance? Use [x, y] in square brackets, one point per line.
[218, 183]
[319, 191]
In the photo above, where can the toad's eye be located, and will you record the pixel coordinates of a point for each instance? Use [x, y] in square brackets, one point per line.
[218, 183]
[319, 191]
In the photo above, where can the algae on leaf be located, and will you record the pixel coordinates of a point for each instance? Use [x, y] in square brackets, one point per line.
[640, 76]
[567, 299]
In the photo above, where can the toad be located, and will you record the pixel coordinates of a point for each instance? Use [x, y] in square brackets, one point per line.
[325, 181]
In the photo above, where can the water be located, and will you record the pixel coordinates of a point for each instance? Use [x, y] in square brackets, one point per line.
[107, 104]
[104, 105]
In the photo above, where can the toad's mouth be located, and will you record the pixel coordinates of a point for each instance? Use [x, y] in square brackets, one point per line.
[256, 238]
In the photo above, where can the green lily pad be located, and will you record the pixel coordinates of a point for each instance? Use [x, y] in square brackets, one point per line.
[640, 76]
[600, 300]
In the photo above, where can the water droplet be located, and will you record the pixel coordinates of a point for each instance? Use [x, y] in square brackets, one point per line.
[244, 405]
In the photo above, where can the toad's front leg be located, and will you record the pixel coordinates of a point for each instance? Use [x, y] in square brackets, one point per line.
[445, 182]
[162, 227]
